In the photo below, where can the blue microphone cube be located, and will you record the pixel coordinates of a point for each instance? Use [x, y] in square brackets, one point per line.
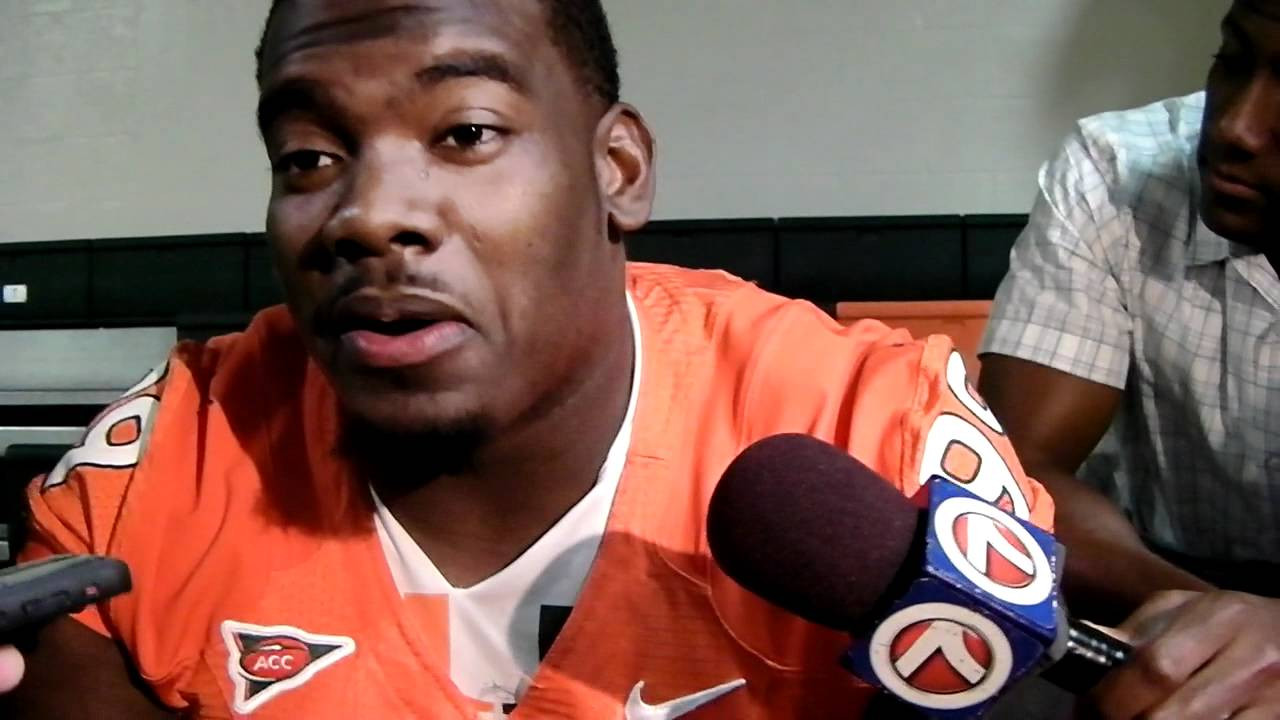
[980, 616]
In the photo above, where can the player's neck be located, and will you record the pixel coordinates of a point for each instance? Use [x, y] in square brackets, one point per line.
[475, 522]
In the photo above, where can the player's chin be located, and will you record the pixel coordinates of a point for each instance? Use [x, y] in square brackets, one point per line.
[383, 434]
[407, 412]
[1240, 222]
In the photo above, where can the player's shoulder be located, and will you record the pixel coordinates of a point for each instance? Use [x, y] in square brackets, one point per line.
[765, 363]
[684, 293]
[222, 373]
[157, 433]
[716, 310]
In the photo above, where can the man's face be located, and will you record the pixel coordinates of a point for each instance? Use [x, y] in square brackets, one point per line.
[440, 205]
[1239, 153]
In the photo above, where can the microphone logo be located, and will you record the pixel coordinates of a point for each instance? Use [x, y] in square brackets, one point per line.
[941, 656]
[993, 551]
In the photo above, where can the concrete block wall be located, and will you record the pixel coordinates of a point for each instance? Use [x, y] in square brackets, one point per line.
[135, 117]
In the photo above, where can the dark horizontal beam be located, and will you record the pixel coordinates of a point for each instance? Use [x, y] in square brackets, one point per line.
[213, 283]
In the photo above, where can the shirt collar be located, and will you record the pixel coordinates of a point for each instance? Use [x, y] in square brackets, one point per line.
[617, 455]
[1207, 246]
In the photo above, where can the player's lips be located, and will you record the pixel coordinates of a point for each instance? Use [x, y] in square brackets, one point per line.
[399, 330]
[1225, 182]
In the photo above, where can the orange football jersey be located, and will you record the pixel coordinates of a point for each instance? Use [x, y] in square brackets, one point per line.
[261, 588]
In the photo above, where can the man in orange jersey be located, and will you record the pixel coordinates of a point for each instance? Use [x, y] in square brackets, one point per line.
[465, 473]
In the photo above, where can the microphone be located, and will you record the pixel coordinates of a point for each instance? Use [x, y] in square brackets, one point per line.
[950, 606]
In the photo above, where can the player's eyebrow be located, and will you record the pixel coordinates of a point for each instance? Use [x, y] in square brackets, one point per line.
[473, 64]
[294, 95]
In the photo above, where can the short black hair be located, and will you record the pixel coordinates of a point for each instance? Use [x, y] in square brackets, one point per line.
[580, 28]
[1266, 8]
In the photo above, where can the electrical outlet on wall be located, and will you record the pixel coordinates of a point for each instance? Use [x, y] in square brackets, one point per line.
[15, 293]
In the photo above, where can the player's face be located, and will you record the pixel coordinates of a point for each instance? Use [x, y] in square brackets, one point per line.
[438, 211]
[1240, 144]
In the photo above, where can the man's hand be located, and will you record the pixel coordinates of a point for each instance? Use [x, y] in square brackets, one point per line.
[11, 667]
[1198, 656]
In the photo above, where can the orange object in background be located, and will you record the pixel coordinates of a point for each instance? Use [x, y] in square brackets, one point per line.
[962, 320]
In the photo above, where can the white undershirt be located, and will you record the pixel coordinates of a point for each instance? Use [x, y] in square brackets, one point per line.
[493, 625]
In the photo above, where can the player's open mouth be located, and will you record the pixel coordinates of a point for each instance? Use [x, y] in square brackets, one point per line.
[394, 328]
[399, 331]
[403, 343]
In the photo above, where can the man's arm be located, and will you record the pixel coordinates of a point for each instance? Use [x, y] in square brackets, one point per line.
[73, 672]
[1054, 420]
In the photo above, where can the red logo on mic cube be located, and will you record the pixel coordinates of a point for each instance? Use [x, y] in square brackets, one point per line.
[1001, 555]
[940, 657]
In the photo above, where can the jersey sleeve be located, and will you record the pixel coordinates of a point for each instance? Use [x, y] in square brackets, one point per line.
[59, 526]
[84, 505]
[75, 505]
[938, 426]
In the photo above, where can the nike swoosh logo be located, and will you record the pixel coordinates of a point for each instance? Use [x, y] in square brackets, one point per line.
[638, 709]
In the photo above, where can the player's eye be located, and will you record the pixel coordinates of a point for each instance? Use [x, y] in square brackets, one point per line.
[304, 161]
[468, 136]
[1234, 63]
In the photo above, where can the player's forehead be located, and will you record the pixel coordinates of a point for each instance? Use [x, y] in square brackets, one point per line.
[518, 27]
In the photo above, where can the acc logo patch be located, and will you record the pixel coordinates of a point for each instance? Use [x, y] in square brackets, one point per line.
[266, 661]
[941, 656]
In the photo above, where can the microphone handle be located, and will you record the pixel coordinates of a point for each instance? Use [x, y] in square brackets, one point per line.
[1090, 655]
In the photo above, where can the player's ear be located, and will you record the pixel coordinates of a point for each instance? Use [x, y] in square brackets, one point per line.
[624, 151]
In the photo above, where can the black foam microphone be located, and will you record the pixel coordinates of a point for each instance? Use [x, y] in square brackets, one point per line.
[952, 604]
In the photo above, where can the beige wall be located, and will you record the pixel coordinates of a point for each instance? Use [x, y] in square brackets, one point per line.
[135, 117]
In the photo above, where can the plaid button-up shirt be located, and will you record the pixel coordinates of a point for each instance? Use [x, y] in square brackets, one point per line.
[1116, 280]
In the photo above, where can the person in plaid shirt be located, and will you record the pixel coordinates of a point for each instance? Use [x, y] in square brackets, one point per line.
[1133, 351]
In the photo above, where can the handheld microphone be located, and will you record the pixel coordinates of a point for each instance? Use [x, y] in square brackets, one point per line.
[951, 606]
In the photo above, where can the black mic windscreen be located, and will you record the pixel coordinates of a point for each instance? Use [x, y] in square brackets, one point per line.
[810, 529]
